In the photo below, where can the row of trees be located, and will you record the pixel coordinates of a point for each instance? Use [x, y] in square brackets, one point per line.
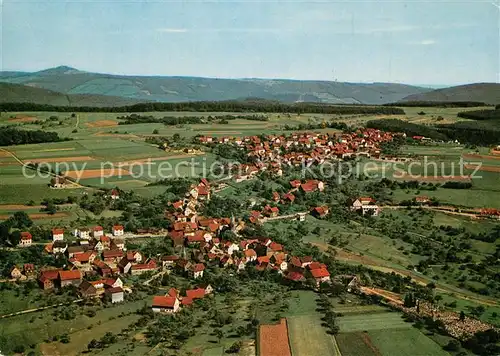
[485, 134]
[216, 106]
[177, 120]
[439, 104]
[481, 114]
[13, 136]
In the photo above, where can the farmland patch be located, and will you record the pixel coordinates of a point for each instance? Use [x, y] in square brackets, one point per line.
[61, 159]
[352, 344]
[102, 123]
[96, 173]
[308, 337]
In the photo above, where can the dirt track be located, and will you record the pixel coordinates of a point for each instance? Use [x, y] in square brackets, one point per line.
[39, 216]
[484, 168]
[96, 173]
[61, 159]
[102, 123]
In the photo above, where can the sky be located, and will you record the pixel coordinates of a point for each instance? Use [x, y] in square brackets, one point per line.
[414, 42]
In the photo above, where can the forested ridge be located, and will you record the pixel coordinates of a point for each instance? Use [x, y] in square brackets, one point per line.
[439, 104]
[217, 106]
[464, 132]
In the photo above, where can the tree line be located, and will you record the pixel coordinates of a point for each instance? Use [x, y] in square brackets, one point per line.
[439, 104]
[12, 136]
[464, 132]
[407, 127]
[177, 120]
[481, 114]
[217, 106]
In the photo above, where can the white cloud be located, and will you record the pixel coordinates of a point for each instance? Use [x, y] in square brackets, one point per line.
[427, 42]
[172, 30]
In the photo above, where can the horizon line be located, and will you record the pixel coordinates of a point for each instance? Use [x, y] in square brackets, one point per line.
[425, 85]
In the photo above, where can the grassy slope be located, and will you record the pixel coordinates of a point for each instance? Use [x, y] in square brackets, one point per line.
[482, 92]
[17, 93]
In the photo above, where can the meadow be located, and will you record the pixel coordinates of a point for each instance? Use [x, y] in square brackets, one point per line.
[384, 334]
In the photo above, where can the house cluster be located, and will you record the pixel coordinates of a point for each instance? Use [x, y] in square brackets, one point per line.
[271, 151]
[95, 253]
[490, 213]
[110, 288]
[173, 301]
[259, 253]
[23, 273]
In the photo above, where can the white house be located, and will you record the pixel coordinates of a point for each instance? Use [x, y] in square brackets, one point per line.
[118, 230]
[98, 231]
[165, 304]
[84, 233]
[115, 294]
[365, 205]
[26, 239]
[57, 234]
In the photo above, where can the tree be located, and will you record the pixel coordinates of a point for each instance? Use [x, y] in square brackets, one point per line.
[156, 132]
[21, 220]
[453, 345]
[51, 208]
[219, 334]
[234, 348]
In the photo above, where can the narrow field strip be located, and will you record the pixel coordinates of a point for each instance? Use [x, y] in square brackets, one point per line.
[308, 337]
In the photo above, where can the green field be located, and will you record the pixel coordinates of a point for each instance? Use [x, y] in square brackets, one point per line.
[308, 337]
[384, 334]
[376, 321]
[404, 342]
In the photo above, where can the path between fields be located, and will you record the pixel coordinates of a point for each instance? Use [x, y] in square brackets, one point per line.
[442, 210]
[371, 263]
[52, 174]
[26, 311]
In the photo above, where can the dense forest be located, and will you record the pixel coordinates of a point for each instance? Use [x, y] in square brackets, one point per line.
[406, 127]
[471, 132]
[217, 106]
[13, 136]
[465, 132]
[177, 120]
[481, 114]
[439, 104]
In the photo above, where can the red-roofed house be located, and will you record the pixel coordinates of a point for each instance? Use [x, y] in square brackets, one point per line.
[118, 230]
[97, 231]
[288, 198]
[165, 304]
[142, 268]
[196, 270]
[365, 205]
[48, 279]
[67, 278]
[26, 239]
[112, 255]
[320, 211]
[197, 293]
[320, 275]
[422, 199]
[57, 234]
[271, 211]
[251, 255]
[295, 277]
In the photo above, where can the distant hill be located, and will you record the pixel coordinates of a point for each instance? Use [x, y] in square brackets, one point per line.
[69, 80]
[488, 93]
[16, 93]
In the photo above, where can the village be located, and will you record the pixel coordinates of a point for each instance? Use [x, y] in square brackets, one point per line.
[100, 266]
